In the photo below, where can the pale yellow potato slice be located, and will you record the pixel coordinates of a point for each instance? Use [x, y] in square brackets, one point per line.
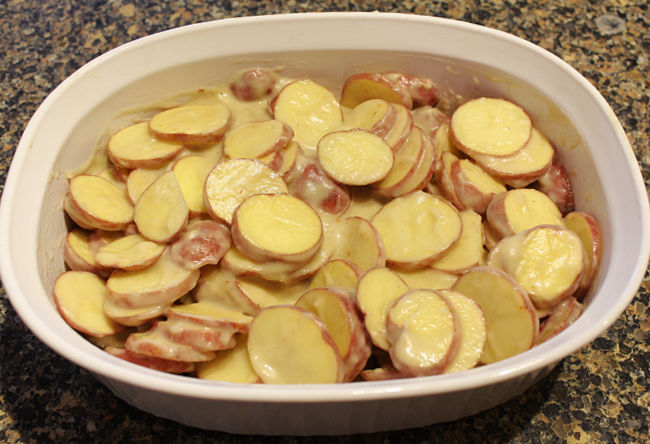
[473, 187]
[548, 261]
[512, 325]
[78, 255]
[276, 227]
[309, 108]
[422, 328]
[369, 85]
[233, 180]
[191, 172]
[430, 119]
[417, 228]
[161, 211]
[231, 365]
[195, 125]
[443, 141]
[364, 202]
[406, 161]
[154, 343]
[202, 242]
[374, 115]
[290, 345]
[422, 90]
[289, 158]
[133, 317]
[520, 209]
[163, 365]
[136, 147]
[159, 284]
[140, 179]
[317, 189]
[240, 264]
[133, 252]
[560, 318]
[430, 278]
[79, 297]
[336, 309]
[421, 175]
[359, 243]
[94, 202]
[253, 140]
[443, 178]
[262, 293]
[473, 331]
[354, 157]
[336, 273]
[491, 126]
[401, 128]
[587, 227]
[556, 184]
[468, 251]
[216, 285]
[377, 290]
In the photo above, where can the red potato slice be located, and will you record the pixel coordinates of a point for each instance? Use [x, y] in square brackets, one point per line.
[556, 184]
[98, 238]
[137, 147]
[159, 284]
[354, 157]
[491, 126]
[444, 143]
[522, 167]
[430, 119]
[365, 86]
[422, 174]
[473, 331]
[161, 213]
[318, 190]
[336, 273]
[561, 317]
[401, 128]
[290, 345]
[191, 172]
[233, 180]
[276, 227]
[202, 242]
[140, 179]
[468, 252]
[215, 285]
[473, 187]
[78, 255]
[154, 343]
[422, 328]
[520, 209]
[377, 290]
[133, 317]
[309, 108]
[286, 166]
[422, 90]
[490, 239]
[512, 325]
[94, 202]
[548, 261]
[359, 243]
[381, 374]
[133, 252]
[194, 125]
[417, 229]
[79, 297]
[254, 140]
[231, 365]
[443, 178]
[262, 293]
[240, 264]
[430, 278]
[253, 84]
[374, 115]
[405, 163]
[587, 227]
[364, 202]
[337, 311]
[163, 365]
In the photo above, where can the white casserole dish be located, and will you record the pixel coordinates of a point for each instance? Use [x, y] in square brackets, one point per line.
[461, 57]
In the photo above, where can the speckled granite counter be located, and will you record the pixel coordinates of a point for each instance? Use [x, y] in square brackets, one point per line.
[599, 394]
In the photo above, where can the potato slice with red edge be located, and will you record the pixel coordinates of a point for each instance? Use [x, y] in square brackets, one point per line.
[512, 325]
[548, 261]
[587, 227]
[253, 140]
[430, 278]
[364, 202]
[556, 184]
[423, 331]
[191, 172]
[444, 143]
[290, 345]
[133, 252]
[161, 212]
[561, 317]
[377, 290]
[79, 297]
[78, 255]
[139, 180]
[154, 343]
[522, 167]
[233, 180]
[240, 264]
[137, 147]
[202, 242]
[215, 285]
[490, 239]
[491, 126]
[231, 365]
[262, 293]
[276, 227]
[468, 252]
[443, 178]
[473, 187]
[309, 108]
[159, 284]
[430, 119]
[162, 365]
[94, 202]
[314, 187]
[359, 243]
[374, 115]
[336, 273]
[253, 84]
[417, 229]
[401, 128]
[368, 85]
[194, 125]
[405, 163]
[422, 90]
[336, 309]
[133, 317]
[285, 160]
[520, 209]
[354, 157]
[473, 331]
[421, 175]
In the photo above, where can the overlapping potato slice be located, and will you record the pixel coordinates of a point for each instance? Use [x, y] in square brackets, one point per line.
[587, 227]
[155, 343]
[561, 317]
[556, 184]
[202, 242]
[262, 293]
[139, 180]
[231, 365]
[195, 125]
[137, 147]
[473, 187]
[443, 178]
[94, 202]
[364, 202]
[430, 120]
[422, 90]
[316, 188]
[133, 317]
[405, 163]
[401, 128]
[427, 277]
[468, 251]
[374, 115]
[336, 273]
[369, 85]
[253, 84]
[359, 243]
[254, 140]
[422, 173]
[78, 254]
[191, 172]
[132, 252]
[163, 365]
[215, 285]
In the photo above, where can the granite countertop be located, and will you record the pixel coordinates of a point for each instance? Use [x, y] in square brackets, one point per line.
[598, 394]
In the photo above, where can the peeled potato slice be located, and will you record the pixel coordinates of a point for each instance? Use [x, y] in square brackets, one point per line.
[94, 202]
[195, 125]
[191, 172]
[231, 365]
[491, 126]
[136, 147]
[133, 252]
[256, 139]
[289, 345]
